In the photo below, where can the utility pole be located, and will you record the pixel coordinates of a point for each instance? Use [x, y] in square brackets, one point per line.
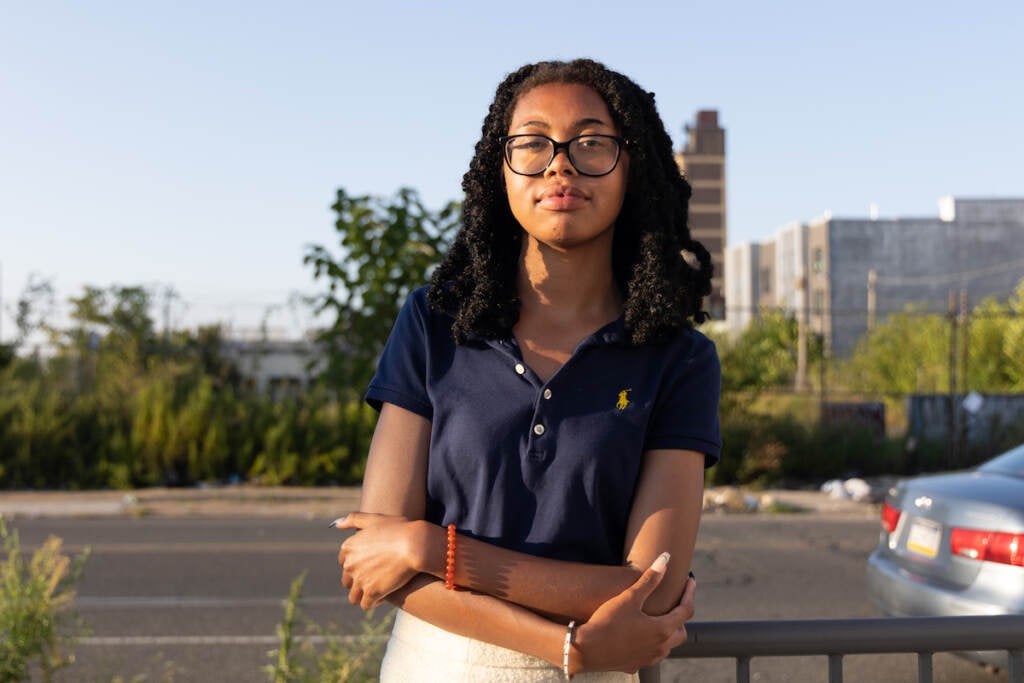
[169, 295]
[964, 387]
[802, 384]
[951, 447]
[872, 298]
[823, 399]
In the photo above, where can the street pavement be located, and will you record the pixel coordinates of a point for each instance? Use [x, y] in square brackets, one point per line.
[188, 585]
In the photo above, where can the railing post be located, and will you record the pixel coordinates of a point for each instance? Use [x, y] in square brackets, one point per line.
[835, 638]
[924, 667]
[651, 674]
[835, 669]
[743, 670]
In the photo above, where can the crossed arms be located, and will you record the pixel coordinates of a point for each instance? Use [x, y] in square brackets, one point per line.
[630, 617]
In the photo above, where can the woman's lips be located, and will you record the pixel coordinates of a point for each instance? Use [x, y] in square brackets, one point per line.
[562, 199]
[562, 202]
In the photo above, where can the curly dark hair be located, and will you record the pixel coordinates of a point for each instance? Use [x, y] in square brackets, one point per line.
[662, 293]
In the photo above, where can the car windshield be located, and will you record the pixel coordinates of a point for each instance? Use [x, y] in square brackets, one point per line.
[1011, 462]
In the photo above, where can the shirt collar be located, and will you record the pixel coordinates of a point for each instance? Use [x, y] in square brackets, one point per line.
[612, 334]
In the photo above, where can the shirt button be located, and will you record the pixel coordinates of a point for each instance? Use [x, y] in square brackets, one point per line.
[538, 429]
[520, 368]
[547, 393]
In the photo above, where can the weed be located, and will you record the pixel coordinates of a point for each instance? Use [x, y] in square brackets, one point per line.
[36, 599]
[339, 659]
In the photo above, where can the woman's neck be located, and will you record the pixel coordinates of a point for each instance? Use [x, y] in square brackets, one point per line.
[575, 284]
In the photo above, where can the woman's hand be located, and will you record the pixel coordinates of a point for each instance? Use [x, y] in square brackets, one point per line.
[381, 557]
[621, 637]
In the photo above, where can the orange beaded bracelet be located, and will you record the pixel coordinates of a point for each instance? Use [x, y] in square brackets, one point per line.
[449, 567]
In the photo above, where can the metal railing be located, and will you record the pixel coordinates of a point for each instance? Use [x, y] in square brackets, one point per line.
[835, 638]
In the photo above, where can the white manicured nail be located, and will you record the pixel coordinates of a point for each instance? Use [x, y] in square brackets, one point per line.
[661, 563]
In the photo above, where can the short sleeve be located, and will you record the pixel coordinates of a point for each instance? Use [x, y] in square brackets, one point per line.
[401, 376]
[686, 410]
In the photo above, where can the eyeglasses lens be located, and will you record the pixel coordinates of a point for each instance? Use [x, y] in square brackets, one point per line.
[589, 154]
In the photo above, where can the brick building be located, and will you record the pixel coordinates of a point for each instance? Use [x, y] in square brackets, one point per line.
[702, 161]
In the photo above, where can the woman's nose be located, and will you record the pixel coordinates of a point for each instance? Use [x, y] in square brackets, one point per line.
[560, 164]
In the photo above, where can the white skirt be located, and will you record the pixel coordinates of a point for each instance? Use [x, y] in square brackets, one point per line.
[423, 653]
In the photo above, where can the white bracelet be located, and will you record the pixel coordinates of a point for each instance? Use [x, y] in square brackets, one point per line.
[565, 649]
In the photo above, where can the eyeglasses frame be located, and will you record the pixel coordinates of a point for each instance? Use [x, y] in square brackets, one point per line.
[504, 140]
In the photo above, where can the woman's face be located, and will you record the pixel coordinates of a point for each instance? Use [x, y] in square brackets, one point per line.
[559, 207]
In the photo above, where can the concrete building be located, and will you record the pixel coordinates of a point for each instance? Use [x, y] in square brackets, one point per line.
[702, 161]
[821, 270]
[276, 367]
[743, 284]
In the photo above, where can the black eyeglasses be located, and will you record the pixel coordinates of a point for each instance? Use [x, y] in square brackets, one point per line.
[590, 155]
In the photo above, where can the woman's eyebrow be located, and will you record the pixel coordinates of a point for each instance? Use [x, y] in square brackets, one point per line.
[581, 123]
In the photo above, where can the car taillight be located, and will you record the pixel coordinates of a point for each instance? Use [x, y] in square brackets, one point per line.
[890, 517]
[988, 546]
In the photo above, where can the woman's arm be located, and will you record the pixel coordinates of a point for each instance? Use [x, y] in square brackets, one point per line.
[402, 545]
[665, 511]
[619, 635]
[666, 516]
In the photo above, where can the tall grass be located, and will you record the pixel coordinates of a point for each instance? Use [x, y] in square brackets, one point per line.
[324, 656]
[37, 622]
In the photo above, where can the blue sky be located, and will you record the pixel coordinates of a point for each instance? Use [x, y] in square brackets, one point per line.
[199, 144]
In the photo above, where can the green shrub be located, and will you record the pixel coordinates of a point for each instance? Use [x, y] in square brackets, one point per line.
[762, 450]
[36, 599]
[338, 659]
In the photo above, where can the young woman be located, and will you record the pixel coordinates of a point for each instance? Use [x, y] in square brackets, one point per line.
[546, 409]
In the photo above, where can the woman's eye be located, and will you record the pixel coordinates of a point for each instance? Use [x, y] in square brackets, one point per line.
[531, 145]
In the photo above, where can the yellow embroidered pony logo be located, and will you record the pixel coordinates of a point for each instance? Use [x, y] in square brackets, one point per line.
[623, 401]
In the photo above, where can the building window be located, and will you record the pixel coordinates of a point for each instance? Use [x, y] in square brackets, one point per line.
[766, 281]
[706, 195]
[819, 300]
[712, 244]
[704, 171]
[818, 262]
[701, 220]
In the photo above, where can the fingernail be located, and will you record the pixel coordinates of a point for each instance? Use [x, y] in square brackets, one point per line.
[661, 563]
[336, 522]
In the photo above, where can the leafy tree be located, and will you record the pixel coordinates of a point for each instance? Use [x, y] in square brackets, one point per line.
[33, 308]
[120, 315]
[764, 355]
[989, 368]
[389, 246]
[1013, 340]
[908, 353]
[31, 313]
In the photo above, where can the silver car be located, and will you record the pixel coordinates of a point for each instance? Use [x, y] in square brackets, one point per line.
[953, 545]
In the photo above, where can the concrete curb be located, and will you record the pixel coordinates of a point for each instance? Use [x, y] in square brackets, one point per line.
[229, 501]
[306, 502]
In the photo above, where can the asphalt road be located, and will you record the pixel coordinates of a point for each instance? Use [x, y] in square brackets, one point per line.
[198, 599]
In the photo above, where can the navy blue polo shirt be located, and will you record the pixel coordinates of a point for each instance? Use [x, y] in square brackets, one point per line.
[547, 468]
